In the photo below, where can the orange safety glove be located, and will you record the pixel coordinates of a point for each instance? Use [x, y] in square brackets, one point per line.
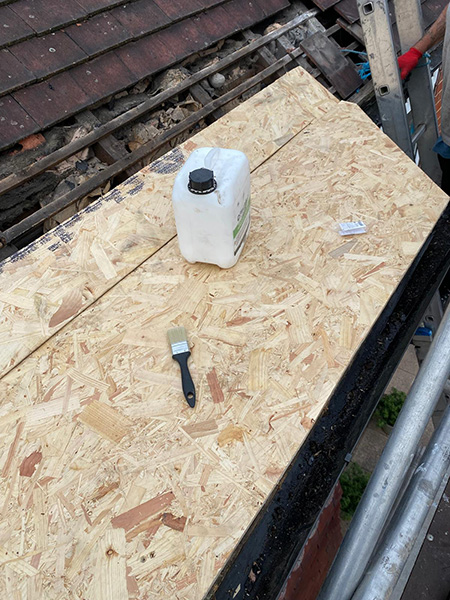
[408, 61]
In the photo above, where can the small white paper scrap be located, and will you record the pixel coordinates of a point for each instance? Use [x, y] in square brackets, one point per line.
[352, 228]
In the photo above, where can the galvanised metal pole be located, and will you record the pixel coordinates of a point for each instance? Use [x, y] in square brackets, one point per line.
[385, 570]
[386, 481]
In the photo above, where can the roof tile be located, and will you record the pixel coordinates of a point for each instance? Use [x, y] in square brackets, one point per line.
[91, 6]
[272, 6]
[12, 27]
[146, 56]
[245, 12]
[141, 17]
[15, 122]
[49, 54]
[44, 15]
[53, 100]
[12, 72]
[168, 32]
[98, 33]
[216, 24]
[178, 9]
[103, 76]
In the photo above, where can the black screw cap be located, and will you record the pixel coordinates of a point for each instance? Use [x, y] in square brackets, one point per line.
[201, 181]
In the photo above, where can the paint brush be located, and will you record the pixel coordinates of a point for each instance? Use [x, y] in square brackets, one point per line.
[180, 352]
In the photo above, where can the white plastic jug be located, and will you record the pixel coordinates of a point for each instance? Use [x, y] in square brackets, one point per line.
[211, 201]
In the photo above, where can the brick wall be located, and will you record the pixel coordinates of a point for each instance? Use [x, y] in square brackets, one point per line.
[311, 567]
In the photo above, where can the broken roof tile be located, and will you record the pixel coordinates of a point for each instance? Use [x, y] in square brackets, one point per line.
[15, 122]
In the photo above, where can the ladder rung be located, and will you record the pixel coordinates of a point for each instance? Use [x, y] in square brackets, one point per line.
[420, 131]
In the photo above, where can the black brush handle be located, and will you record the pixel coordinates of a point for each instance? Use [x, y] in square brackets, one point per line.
[186, 379]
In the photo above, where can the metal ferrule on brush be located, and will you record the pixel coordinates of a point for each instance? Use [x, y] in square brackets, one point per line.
[180, 347]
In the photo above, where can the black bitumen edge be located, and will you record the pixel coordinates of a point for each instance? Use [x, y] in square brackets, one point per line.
[272, 543]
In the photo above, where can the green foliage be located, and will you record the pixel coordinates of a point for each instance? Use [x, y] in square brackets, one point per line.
[389, 407]
[353, 482]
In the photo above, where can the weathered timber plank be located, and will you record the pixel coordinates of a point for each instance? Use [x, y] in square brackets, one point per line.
[327, 55]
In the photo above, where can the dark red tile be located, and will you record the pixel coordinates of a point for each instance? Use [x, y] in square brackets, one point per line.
[98, 33]
[183, 38]
[53, 100]
[103, 76]
[12, 27]
[210, 3]
[44, 15]
[15, 122]
[178, 9]
[216, 24]
[146, 56]
[95, 5]
[198, 32]
[49, 54]
[244, 12]
[141, 17]
[270, 7]
[13, 73]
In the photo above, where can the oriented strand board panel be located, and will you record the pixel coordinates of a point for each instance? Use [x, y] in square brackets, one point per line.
[92, 252]
[109, 480]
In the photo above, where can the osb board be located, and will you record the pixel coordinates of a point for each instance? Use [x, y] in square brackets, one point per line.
[53, 280]
[111, 485]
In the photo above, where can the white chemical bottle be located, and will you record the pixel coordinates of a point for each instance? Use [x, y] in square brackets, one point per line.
[211, 201]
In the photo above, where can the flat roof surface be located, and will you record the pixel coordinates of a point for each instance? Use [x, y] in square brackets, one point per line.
[110, 481]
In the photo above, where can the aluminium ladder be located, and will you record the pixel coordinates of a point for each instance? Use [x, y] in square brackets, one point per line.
[376, 25]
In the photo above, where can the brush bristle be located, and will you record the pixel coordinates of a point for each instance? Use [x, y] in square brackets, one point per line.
[177, 335]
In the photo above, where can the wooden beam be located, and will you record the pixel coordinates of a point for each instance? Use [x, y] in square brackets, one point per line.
[135, 157]
[16, 179]
[109, 149]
